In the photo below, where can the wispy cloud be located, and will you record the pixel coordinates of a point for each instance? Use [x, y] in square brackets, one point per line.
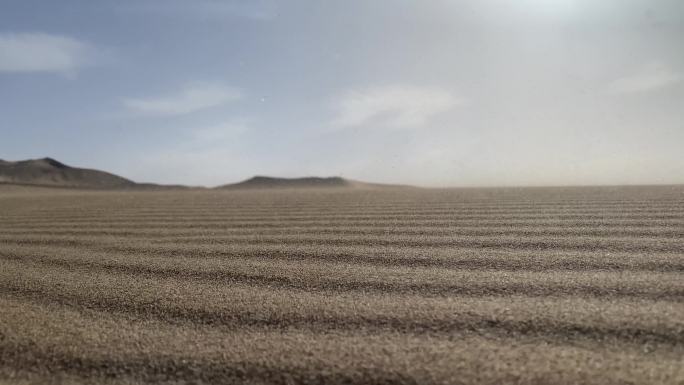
[250, 9]
[396, 106]
[40, 52]
[191, 99]
[653, 77]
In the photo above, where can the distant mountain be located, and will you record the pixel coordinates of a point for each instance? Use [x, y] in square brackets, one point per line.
[271, 182]
[265, 182]
[49, 172]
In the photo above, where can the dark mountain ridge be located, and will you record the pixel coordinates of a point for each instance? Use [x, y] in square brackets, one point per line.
[50, 172]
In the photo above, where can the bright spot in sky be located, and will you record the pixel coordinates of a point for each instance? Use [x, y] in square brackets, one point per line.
[550, 7]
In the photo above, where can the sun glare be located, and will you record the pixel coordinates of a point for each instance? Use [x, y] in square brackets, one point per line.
[550, 7]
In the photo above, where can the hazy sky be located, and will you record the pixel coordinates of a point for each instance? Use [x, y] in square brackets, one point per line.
[439, 92]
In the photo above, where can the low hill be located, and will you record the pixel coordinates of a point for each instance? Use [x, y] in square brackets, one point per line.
[272, 182]
[267, 182]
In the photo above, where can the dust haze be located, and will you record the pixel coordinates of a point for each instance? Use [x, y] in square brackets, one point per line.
[438, 192]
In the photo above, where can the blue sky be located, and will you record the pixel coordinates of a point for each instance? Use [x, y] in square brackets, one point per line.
[435, 93]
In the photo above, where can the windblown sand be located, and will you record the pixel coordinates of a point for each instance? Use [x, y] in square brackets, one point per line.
[343, 286]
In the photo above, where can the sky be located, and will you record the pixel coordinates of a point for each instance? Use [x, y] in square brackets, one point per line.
[432, 93]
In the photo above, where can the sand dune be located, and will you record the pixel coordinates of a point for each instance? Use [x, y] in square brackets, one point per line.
[343, 286]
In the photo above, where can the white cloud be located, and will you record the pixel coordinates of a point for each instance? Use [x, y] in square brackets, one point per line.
[396, 106]
[191, 99]
[653, 77]
[39, 52]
